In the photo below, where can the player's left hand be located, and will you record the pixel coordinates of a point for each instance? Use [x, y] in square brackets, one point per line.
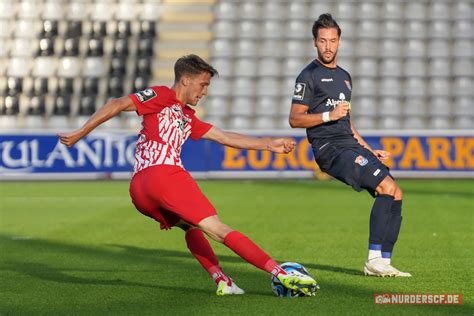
[70, 138]
[281, 145]
[382, 154]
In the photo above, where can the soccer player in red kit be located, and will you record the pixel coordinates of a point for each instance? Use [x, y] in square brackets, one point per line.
[163, 190]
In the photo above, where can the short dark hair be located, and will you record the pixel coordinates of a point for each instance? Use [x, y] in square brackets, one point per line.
[192, 65]
[325, 21]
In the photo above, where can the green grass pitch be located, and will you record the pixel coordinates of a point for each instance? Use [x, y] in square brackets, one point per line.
[80, 248]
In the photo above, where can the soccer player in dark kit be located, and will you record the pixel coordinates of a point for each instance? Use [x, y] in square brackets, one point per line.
[162, 189]
[321, 104]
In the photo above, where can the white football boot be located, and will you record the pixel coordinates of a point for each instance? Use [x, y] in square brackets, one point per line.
[400, 273]
[224, 289]
[376, 267]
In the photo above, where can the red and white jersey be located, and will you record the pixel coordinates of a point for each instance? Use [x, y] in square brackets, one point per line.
[167, 123]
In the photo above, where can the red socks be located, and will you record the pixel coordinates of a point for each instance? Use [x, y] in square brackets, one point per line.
[251, 253]
[202, 251]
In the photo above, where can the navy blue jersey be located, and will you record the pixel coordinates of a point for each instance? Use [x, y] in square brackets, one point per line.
[321, 89]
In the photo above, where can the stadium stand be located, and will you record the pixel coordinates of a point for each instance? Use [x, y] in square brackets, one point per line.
[411, 62]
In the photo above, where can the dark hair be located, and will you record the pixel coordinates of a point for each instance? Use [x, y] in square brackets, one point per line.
[325, 21]
[192, 65]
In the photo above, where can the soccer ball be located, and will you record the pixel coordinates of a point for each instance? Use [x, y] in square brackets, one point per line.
[279, 289]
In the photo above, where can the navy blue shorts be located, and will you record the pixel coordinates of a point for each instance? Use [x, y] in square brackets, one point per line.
[356, 167]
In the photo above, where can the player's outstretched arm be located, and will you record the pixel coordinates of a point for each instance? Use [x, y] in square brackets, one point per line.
[381, 154]
[282, 145]
[106, 112]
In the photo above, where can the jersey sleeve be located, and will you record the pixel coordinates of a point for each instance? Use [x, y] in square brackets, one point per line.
[198, 128]
[150, 100]
[304, 89]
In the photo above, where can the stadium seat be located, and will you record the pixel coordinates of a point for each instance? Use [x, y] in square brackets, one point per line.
[127, 11]
[95, 47]
[239, 123]
[415, 106]
[46, 47]
[368, 29]
[346, 49]
[462, 106]
[368, 10]
[102, 11]
[391, 67]
[463, 86]
[271, 29]
[463, 29]
[216, 121]
[73, 29]
[120, 48]
[440, 106]
[273, 10]
[22, 47]
[366, 67]
[250, 10]
[224, 29]
[438, 48]
[391, 10]
[246, 48]
[463, 48]
[297, 11]
[49, 28]
[346, 63]
[144, 66]
[10, 105]
[390, 122]
[264, 123]
[392, 29]
[390, 107]
[87, 105]
[364, 122]
[53, 10]
[390, 48]
[364, 106]
[145, 47]
[6, 26]
[94, 67]
[349, 27]
[344, 10]
[223, 48]
[390, 87]
[270, 48]
[69, 67]
[123, 29]
[463, 67]
[439, 67]
[366, 48]
[220, 87]
[77, 10]
[414, 87]
[439, 10]
[438, 122]
[267, 106]
[242, 106]
[245, 67]
[316, 8]
[243, 87]
[14, 86]
[44, 67]
[66, 86]
[147, 29]
[25, 28]
[248, 29]
[268, 87]
[415, 11]
[224, 66]
[462, 10]
[62, 105]
[28, 9]
[18, 67]
[268, 67]
[40, 86]
[415, 48]
[150, 11]
[366, 86]
[463, 122]
[292, 66]
[37, 105]
[414, 122]
[440, 87]
[226, 10]
[282, 123]
[118, 66]
[7, 10]
[439, 29]
[296, 29]
[415, 29]
[217, 106]
[414, 67]
[90, 86]
[294, 48]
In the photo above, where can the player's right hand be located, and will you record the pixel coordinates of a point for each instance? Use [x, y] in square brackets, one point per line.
[70, 138]
[339, 111]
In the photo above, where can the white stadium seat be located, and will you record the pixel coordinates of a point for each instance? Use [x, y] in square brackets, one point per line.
[391, 67]
[365, 122]
[390, 122]
[368, 10]
[414, 67]
[390, 87]
[222, 48]
[243, 86]
[390, 48]
[344, 10]
[414, 87]
[439, 10]
[297, 30]
[440, 87]
[239, 123]
[224, 66]
[367, 48]
[94, 67]
[264, 123]
[246, 48]
[414, 122]
[245, 67]
[392, 10]
[463, 29]
[250, 10]
[268, 87]
[463, 122]
[267, 106]
[463, 67]
[462, 10]
[28, 9]
[367, 106]
[415, 48]
[44, 67]
[18, 67]
[226, 10]
[297, 11]
[248, 29]
[463, 86]
[241, 106]
[77, 10]
[271, 29]
[439, 29]
[224, 29]
[366, 67]
[439, 67]
[316, 8]
[366, 86]
[274, 10]
[269, 67]
[414, 107]
[440, 106]
[53, 10]
[293, 66]
[391, 29]
[220, 87]
[438, 48]
[69, 67]
[415, 11]
[216, 106]
[415, 29]
[368, 29]
[463, 106]
[439, 122]
[463, 48]
[390, 107]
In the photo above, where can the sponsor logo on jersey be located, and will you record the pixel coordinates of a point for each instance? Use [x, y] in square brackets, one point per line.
[361, 160]
[348, 84]
[342, 96]
[327, 80]
[299, 91]
[145, 95]
[376, 172]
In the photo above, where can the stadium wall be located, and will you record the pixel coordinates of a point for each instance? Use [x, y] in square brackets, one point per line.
[110, 155]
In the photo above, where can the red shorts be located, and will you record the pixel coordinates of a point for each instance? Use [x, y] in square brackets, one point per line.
[168, 194]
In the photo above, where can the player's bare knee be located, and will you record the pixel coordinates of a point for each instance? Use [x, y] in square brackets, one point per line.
[398, 194]
[387, 187]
